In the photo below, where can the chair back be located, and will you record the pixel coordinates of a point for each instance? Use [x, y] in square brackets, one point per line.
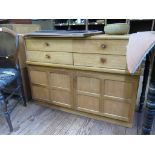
[8, 47]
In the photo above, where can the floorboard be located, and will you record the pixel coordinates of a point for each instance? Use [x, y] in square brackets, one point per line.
[39, 120]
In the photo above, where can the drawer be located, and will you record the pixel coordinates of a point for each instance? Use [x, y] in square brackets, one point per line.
[98, 60]
[50, 57]
[114, 47]
[55, 44]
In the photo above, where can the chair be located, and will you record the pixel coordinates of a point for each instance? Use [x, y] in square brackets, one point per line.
[10, 79]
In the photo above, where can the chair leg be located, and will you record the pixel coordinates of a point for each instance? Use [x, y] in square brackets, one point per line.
[21, 90]
[22, 96]
[7, 117]
[5, 112]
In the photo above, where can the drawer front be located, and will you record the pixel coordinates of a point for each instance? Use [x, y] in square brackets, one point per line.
[98, 60]
[38, 44]
[114, 47]
[50, 57]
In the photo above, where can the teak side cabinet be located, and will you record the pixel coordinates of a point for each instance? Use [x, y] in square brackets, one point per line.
[85, 76]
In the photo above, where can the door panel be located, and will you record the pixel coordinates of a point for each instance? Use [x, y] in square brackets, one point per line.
[40, 93]
[38, 77]
[88, 103]
[61, 97]
[116, 109]
[119, 89]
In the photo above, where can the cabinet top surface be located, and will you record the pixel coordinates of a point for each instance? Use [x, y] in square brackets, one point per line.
[94, 35]
[106, 36]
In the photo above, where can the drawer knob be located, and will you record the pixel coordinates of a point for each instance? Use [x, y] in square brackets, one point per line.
[103, 60]
[48, 56]
[103, 46]
[47, 44]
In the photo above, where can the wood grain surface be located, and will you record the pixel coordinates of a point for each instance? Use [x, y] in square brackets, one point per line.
[39, 120]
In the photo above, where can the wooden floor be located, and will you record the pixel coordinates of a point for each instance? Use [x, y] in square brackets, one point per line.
[38, 120]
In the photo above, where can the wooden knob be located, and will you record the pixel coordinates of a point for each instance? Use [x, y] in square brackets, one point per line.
[103, 46]
[103, 60]
[47, 44]
[48, 56]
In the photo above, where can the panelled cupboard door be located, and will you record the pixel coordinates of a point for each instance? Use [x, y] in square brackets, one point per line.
[88, 94]
[119, 95]
[39, 84]
[61, 84]
[106, 94]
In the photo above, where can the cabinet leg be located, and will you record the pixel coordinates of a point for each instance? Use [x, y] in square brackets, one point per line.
[145, 79]
[149, 112]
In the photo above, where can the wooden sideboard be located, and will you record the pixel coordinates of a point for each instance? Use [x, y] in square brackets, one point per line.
[85, 76]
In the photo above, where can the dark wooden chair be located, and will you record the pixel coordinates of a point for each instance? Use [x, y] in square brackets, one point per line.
[10, 79]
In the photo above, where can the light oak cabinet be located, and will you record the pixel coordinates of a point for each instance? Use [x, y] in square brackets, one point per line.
[83, 76]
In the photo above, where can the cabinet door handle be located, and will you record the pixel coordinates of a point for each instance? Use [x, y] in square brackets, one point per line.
[103, 60]
[47, 44]
[48, 56]
[103, 46]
